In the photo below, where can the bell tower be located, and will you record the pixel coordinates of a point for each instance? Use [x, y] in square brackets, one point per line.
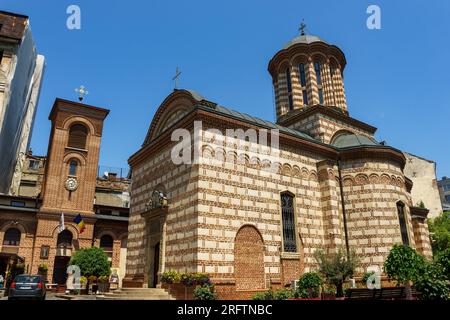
[307, 72]
[72, 158]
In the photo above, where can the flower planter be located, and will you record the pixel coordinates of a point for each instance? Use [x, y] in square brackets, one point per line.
[103, 287]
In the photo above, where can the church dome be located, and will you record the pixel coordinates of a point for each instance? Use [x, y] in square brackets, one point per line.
[305, 39]
[353, 140]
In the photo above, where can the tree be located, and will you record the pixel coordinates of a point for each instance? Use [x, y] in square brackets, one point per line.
[443, 259]
[440, 232]
[432, 282]
[92, 262]
[336, 267]
[404, 265]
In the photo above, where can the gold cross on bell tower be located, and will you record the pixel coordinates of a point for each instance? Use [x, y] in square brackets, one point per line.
[175, 78]
[302, 27]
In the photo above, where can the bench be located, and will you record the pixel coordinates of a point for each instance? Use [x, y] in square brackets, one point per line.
[388, 293]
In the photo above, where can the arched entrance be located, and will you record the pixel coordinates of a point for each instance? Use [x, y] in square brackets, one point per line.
[62, 257]
[249, 259]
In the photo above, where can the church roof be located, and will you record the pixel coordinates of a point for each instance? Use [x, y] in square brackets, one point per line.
[306, 39]
[258, 122]
[353, 140]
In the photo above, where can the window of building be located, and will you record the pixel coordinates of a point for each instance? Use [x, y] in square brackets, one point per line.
[289, 89]
[12, 237]
[332, 75]
[77, 136]
[45, 250]
[402, 220]
[65, 239]
[33, 165]
[106, 243]
[73, 167]
[319, 81]
[301, 69]
[447, 198]
[288, 223]
[20, 204]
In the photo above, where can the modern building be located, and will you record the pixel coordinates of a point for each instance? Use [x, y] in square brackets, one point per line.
[21, 73]
[207, 196]
[65, 181]
[444, 191]
[425, 190]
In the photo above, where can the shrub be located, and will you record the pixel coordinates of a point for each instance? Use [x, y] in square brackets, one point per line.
[187, 279]
[170, 277]
[309, 285]
[92, 262]
[42, 268]
[205, 292]
[283, 294]
[201, 279]
[404, 265]
[432, 283]
[443, 258]
[267, 295]
[83, 280]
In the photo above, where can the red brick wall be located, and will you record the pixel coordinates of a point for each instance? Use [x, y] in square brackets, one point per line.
[249, 259]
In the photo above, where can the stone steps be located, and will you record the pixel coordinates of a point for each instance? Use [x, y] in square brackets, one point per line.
[137, 294]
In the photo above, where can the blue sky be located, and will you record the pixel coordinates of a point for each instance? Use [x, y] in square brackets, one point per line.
[396, 79]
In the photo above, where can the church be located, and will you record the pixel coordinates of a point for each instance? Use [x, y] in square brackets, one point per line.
[331, 185]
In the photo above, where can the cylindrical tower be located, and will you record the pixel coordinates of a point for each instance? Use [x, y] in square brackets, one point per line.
[306, 72]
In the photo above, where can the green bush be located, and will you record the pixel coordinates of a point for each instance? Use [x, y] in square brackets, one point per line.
[443, 258]
[205, 292]
[404, 264]
[283, 294]
[432, 283]
[309, 285]
[187, 279]
[43, 268]
[440, 233]
[201, 279]
[267, 295]
[92, 262]
[170, 277]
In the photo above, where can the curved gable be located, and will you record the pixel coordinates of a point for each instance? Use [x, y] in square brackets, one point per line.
[173, 108]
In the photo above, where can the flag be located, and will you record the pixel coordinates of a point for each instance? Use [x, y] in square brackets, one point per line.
[61, 226]
[80, 223]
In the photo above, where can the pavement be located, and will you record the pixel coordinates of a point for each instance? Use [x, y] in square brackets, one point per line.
[49, 296]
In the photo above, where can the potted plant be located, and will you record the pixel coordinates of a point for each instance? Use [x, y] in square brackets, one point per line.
[103, 284]
[188, 280]
[83, 282]
[93, 284]
[329, 292]
[309, 285]
[170, 277]
[42, 270]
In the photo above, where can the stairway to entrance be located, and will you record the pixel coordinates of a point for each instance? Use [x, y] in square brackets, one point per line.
[137, 294]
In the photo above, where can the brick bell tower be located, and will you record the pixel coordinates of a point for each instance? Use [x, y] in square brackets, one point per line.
[69, 184]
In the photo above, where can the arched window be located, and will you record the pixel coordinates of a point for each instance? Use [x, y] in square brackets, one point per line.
[333, 71]
[106, 242]
[317, 69]
[64, 239]
[301, 70]
[289, 89]
[402, 221]
[77, 136]
[12, 237]
[288, 223]
[73, 164]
